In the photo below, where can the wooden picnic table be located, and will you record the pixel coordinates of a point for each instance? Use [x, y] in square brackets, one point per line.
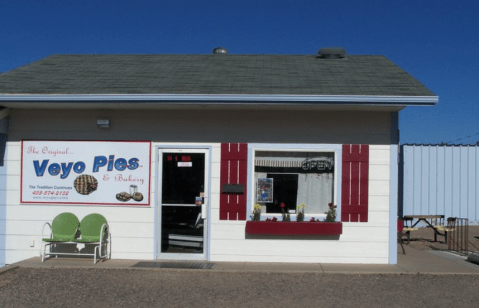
[428, 220]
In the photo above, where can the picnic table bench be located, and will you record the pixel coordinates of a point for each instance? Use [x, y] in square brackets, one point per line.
[435, 222]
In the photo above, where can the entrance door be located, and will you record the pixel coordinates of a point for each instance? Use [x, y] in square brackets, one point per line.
[183, 203]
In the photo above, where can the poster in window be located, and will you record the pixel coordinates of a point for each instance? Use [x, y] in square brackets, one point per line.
[264, 190]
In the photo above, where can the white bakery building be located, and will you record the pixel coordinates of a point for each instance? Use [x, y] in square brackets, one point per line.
[199, 140]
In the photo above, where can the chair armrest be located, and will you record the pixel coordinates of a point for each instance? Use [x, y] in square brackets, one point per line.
[43, 230]
[101, 231]
[41, 236]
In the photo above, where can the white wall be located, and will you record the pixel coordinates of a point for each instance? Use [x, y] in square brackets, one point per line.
[133, 228]
[359, 243]
[3, 208]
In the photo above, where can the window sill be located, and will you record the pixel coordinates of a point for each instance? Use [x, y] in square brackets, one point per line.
[294, 228]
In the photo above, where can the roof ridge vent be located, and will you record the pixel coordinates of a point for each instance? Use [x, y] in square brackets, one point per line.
[331, 53]
[220, 51]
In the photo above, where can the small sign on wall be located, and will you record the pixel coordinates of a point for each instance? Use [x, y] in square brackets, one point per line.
[86, 172]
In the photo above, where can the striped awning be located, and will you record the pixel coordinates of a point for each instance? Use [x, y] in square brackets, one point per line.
[319, 163]
[279, 162]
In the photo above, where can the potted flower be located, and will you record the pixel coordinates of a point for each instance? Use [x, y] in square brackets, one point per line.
[300, 213]
[286, 216]
[256, 212]
[331, 213]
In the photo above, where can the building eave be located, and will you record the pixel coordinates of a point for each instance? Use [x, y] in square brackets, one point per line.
[223, 99]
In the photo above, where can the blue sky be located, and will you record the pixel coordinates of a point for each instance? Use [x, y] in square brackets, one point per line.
[435, 41]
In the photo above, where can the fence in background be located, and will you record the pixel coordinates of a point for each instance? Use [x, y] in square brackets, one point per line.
[439, 180]
[458, 235]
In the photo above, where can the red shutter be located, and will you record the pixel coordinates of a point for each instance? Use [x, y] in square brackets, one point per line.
[355, 179]
[233, 171]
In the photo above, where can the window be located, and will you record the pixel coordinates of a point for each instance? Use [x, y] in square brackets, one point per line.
[294, 178]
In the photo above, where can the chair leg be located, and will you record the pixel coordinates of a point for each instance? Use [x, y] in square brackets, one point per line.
[44, 250]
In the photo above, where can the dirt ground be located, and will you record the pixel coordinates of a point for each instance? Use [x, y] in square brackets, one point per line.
[423, 239]
[27, 287]
[56, 287]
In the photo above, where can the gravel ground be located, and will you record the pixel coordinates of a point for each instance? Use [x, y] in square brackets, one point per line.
[27, 287]
[423, 239]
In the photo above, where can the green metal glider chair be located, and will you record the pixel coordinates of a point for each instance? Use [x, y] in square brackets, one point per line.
[63, 230]
[94, 230]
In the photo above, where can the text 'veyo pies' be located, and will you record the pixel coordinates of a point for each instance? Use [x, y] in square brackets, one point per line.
[85, 184]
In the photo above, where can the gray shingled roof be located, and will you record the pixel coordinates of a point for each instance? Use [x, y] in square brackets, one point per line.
[211, 74]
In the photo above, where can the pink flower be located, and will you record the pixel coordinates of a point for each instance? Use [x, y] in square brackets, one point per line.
[282, 204]
[330, 205]
[275, 219]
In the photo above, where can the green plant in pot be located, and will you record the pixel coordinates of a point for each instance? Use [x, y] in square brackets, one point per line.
[300, 213]
[256, 212]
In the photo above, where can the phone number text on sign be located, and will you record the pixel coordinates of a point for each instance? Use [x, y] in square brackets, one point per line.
[47, 192]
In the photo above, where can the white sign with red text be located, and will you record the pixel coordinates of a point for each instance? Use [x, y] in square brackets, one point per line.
[86, 172]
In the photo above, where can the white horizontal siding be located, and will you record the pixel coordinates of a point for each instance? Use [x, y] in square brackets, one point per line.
[295, 248]
[354, 233]
[13, 168]
[46, 213]
[359, 243]
[215, 199]
[24, 242]
[228, 230]
[118, 229]
[13, 151]
[133, 228]
[298, 251]
[379, 155]
[379, 188]
[378, 172]
[215, 185]
[378, 203]
[296, 259]
[3, 216]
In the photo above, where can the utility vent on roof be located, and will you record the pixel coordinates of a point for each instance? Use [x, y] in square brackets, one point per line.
[332, 53]
[220, 50]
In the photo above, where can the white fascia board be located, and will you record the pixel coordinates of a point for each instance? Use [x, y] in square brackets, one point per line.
[226, 98]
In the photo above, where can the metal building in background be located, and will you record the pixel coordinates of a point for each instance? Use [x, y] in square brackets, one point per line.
[439, 180]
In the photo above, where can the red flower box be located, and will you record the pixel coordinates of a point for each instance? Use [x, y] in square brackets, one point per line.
[294, 228]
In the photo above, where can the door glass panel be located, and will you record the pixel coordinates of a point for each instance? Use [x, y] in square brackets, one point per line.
[183, 177]
[183, 186]
[182, 229]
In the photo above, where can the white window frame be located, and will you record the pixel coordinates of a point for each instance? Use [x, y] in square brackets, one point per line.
[294, 147]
